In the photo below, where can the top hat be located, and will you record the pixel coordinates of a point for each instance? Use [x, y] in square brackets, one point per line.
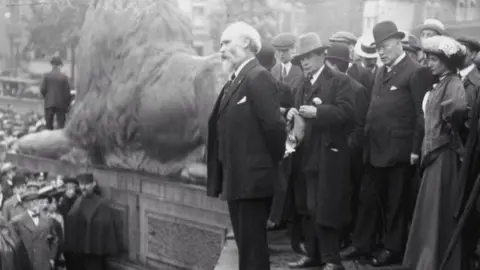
[338, 51]
[433, 24]
[56, 61]
[71, 180]
[86, 178]
[470, 43]
[18, 180]
[343, 37]
[309, 42]
[364, 49]
[284, 41]
[266, 56]
[386, 30]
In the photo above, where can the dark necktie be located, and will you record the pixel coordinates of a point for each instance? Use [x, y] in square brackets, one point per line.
[284, 73]
[226, 89]
[307, 88]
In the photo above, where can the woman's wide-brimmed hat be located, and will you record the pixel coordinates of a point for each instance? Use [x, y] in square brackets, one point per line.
[433, 24]
[307, 43]
[443, 45]
[386, 30]
[364, 48]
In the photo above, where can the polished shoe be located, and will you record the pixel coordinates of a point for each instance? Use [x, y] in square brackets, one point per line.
[384, 258]
[332, 266]
[353, 253]
[305, 262]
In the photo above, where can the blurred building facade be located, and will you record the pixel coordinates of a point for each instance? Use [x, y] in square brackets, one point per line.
[290, 15]
[461, 17]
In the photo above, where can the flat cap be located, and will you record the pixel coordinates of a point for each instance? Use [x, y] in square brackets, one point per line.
[343, 36]
[284, 41]
[470, 43]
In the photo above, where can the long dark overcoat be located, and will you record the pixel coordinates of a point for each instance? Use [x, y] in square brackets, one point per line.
[326, 150]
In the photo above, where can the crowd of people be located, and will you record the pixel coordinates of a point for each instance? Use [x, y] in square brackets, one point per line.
[365, 149]
[54, 223]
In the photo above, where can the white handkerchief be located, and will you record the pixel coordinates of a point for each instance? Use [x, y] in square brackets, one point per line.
[393, 88]
[242, 100]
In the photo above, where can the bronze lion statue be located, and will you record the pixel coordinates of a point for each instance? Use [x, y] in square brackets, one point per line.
[143, 95]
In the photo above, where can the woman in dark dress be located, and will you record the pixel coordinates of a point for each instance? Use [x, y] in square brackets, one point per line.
[443, 106]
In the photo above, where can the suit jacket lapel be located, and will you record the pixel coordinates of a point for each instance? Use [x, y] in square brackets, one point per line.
[236, 82]
[27, 221]
[387, 76]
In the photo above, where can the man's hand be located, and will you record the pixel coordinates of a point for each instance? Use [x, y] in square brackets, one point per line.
[414, 158]
[308, 111]
[291, 113]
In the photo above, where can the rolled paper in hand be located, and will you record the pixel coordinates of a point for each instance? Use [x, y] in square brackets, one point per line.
[317, 101]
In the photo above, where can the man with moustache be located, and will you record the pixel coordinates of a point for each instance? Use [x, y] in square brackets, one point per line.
[327, 103]
[246, 141]
[394, 132]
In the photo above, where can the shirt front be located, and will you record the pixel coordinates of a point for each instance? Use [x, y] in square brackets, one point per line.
[464, 72]
[287, 67]
[316, 75]
[242, 65]
[400, 58]
[34, 217]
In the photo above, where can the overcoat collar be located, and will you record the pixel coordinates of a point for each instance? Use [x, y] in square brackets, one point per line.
[319, 84]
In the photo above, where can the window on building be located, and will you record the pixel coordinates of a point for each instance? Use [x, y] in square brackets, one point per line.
[467, 10]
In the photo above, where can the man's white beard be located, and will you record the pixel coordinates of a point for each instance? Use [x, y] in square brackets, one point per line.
[227, 66]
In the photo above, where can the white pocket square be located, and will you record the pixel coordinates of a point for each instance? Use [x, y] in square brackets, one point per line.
[242, 100]
[393, 88]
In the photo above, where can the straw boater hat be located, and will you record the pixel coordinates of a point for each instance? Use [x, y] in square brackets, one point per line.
[307, 43]
[363, 47]
[386, 30]
[432, 24]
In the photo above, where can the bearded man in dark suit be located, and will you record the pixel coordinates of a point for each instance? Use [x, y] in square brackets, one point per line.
[246, 142]
[326, 102]
[394, 133]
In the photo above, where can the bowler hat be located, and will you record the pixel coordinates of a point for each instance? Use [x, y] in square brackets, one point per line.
[386, 30]
[364, 47]
[344, 37]
[85, 178]
[284, 41]
[470, 43]
[56, 60]
[338, 51]
[307, 43]
[266, 56]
